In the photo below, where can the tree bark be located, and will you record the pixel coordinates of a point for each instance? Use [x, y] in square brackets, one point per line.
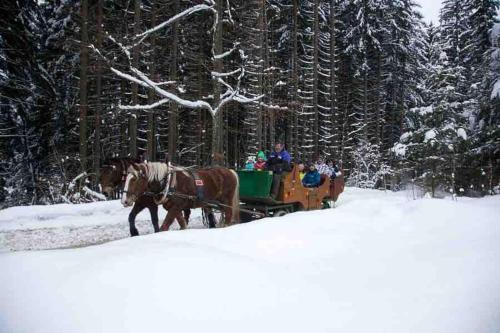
[266, 80]
[124, 139]
[98, 109]
[333, 82]
[151, 148]
[265, 115]
[174, 109]
[135, 87]
[217, 125]
[294, 78]
[84, 61]
[316, 125]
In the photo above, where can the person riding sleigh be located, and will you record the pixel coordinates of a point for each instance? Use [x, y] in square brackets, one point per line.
[278, 162]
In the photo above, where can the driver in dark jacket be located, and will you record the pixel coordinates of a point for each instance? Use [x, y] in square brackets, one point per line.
[278, 161]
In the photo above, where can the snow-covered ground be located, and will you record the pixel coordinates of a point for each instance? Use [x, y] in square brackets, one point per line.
[379, 262]
[65, 226]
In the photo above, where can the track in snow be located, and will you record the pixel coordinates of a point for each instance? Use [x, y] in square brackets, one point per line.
[71, 237]
[40, 228]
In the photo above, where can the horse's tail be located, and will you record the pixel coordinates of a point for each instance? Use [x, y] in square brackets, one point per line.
[236, 198]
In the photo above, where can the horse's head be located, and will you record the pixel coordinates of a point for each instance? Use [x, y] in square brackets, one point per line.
[110, 178]
[136, 183]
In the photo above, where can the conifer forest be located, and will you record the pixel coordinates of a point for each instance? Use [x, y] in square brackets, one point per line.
[395, 101]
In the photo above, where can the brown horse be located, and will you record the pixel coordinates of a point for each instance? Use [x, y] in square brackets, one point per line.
[183, 189]
[112, 177]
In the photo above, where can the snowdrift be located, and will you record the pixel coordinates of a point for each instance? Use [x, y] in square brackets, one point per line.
[379, 262]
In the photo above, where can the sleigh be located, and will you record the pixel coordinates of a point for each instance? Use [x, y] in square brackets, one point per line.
[255, 193]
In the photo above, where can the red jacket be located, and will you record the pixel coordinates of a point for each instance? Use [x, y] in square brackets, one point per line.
[260, 165]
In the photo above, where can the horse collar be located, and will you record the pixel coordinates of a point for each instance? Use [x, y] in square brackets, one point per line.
[168, 184]
[164, 183]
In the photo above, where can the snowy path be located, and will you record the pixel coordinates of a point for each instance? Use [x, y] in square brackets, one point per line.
[66, 226]
[377, 263]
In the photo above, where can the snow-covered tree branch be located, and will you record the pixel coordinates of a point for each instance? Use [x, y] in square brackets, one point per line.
[134, 75]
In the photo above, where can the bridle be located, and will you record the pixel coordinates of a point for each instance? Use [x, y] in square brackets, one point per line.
[134, 173]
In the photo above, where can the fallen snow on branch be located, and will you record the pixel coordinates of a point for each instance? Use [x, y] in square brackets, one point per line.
[166, 83]
[399, 149]
[227, 53]
[147, 83]
[144, 107]
[217, 74]
[94, 194]
[495, 92]
[141, 79]
[72, 184]
[462, 133]
[174, 19]
[430, 135]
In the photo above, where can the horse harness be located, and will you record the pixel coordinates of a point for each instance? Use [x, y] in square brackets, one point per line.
[169, 183]
[199, 185]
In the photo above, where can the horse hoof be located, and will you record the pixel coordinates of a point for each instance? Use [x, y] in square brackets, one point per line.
[134, 233]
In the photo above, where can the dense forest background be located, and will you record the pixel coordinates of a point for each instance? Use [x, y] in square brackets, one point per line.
[364, 82]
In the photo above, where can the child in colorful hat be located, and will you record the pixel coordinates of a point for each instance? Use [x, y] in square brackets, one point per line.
[249, 165]
[260, 165]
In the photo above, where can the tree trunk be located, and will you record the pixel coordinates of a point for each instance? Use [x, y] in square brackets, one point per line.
[174, 109]
[98, 109]
[124, 139]
[266, 90]
[135, 87]
[151, 148]
[334, 138]
[202, 123]
[261, 40]
[378, 105]
[84, 61]
[316, 125]
[217, 120]
[294, 78]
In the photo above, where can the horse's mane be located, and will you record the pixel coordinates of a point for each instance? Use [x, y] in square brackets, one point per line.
[156, 171]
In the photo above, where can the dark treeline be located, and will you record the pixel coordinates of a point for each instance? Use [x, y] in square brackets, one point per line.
[364, 82]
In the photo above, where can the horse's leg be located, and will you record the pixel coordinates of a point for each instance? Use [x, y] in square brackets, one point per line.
[211, 218]
[153, 210]
[169, 219]
[187, 214]
[228, 216]
[181, 221]
[138, 207]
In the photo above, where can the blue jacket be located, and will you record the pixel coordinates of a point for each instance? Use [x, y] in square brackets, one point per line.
[282, 155]
[249, 166]
[278, 162]
[311, 179]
